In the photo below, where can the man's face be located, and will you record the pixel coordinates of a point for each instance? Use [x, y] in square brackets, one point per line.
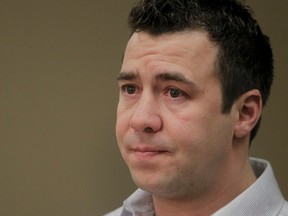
[170, 128]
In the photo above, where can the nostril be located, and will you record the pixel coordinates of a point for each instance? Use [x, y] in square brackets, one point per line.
[148, 130]
[146, 120]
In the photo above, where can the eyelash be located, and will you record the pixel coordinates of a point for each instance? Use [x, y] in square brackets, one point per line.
[179, 92]
[124, 88]
[167, 92]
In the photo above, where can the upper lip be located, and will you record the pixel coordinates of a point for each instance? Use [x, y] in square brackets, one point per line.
[147, 149]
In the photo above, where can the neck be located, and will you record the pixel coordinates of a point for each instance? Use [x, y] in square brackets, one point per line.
[211, 201]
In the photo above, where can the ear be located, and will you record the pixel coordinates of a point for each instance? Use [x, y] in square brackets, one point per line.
[249, 107]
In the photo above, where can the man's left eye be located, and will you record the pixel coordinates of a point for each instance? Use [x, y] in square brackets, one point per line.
[174, 93]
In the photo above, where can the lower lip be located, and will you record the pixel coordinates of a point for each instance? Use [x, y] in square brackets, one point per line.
[147, 155]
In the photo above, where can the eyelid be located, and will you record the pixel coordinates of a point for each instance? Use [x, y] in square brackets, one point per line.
[124, 87]
[182, 92]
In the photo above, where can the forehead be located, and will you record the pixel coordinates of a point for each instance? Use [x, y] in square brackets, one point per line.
[188, 51]
[196, 40]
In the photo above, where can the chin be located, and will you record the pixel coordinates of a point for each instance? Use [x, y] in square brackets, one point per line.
[156, 187]
[147, 183]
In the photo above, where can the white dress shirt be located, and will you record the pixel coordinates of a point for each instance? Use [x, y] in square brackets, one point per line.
[262, 198]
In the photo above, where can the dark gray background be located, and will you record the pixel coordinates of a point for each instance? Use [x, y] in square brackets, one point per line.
[58, 63]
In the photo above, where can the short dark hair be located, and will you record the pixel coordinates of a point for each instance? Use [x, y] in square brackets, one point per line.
[245, 59]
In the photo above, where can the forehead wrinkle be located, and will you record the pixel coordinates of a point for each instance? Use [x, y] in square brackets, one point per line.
[175, 76]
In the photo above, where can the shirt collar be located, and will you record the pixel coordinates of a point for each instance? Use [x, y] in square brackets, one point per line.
[262, 198]
[139, 203]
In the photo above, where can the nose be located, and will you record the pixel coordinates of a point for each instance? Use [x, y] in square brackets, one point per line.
[146, 117]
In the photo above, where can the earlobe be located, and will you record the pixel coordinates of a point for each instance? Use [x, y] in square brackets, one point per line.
[249, 107]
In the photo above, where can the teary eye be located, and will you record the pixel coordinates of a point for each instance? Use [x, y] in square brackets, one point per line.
[174, 93]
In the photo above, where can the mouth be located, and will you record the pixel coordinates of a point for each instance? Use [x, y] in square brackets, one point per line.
[147, 152]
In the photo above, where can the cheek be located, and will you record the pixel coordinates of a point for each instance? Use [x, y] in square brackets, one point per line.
[120, 122]
[121, 130]
[120, 127]
[187, 125]
[196, 133]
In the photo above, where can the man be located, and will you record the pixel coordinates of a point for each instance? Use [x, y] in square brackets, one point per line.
[194, 79]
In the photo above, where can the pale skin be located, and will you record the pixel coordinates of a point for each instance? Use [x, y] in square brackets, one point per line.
[171, 131]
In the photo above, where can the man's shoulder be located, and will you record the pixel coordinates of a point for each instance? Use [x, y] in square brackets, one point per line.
[284, 210]
[116, 212]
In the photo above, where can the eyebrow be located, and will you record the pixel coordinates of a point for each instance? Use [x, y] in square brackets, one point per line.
[126, 76]
[174, 76]
[166, 76]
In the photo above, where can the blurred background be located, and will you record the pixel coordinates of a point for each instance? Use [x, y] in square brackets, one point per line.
[58, 97]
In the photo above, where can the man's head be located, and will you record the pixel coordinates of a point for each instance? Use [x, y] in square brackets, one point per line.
[190, 88]
[244, 58]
